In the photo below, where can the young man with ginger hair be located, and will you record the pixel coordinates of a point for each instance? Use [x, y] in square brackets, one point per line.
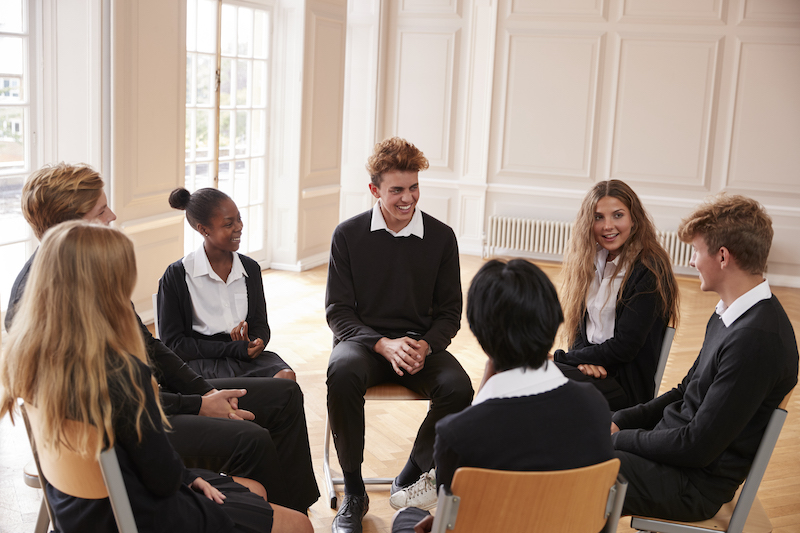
[393, 302]
[686, 452]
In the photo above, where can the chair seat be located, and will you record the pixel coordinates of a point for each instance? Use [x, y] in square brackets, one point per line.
[30, 475]
[757, 520]
[391, 391]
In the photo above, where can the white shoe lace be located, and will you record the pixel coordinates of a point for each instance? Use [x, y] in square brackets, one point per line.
[425, 483]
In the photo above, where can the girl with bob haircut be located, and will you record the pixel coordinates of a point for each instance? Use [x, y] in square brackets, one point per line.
[76, 354]
[526, 416]
[619, 295]
[211, 306]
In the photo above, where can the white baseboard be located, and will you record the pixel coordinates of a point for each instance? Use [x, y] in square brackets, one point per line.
[304, 264]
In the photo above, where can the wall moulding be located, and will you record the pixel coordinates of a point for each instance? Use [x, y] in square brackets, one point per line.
[762, 154]
[768, 13]
[589, 10]
[550, 103]
[664, 120]
[674, 11]
[431, 7]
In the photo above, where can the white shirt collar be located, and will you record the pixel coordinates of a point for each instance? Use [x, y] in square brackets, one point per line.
[197, 265]
[519, 382]
[744, 302]
[415, 227]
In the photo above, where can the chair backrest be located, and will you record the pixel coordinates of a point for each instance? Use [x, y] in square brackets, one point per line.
[759, 466]
[666, 345]
[79, 476]
[155, 317]
[579, 500]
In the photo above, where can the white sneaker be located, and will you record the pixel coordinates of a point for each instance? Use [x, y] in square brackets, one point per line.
[421, 494]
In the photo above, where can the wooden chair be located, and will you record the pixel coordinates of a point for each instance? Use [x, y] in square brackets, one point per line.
[743, 514]
[666, 345]
[79, 476]
[385, 392]
[581, 500]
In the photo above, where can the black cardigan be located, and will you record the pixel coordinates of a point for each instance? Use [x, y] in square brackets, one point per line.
[175, 316]
[631, 355]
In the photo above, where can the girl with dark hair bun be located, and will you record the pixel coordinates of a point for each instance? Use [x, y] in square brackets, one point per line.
[619, 295]
[211, 306]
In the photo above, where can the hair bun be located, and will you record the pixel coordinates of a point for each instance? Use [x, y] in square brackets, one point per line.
[179, 198]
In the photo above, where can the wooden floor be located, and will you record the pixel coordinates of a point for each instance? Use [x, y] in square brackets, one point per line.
[302, 338]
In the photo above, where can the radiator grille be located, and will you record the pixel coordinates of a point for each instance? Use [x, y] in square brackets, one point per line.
[549, 238]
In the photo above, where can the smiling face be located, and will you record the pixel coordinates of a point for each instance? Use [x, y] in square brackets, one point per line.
[225, 231]
[399, 194]
[101, 212]
[707, 265]
[612, 225]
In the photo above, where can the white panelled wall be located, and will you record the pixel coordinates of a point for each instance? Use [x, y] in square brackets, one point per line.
[522, 105]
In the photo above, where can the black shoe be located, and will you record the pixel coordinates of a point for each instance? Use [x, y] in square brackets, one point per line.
[352, 510]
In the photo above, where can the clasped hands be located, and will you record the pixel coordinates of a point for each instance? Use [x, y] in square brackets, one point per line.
[405, 354]
[225, 404]
[240, 333]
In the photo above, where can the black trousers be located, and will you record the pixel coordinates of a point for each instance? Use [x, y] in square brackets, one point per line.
[657, 490]
[353, 368]
[273, 449]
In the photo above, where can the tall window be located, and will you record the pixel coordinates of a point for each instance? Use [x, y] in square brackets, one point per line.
[227, 77]
[16, 141]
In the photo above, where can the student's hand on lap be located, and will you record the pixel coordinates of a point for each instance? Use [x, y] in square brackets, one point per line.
[209, 491]
[240, 332]
[425, 525]
[224, 404]
[402, 353]
[255, 348]
[614, 428]
[595, 371]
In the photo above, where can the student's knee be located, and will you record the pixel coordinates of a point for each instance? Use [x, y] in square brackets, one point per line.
[346, 371]
[285, 520]
[286, 374]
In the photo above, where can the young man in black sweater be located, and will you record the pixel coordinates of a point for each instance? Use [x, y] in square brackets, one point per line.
[686, 452]
[393, 302]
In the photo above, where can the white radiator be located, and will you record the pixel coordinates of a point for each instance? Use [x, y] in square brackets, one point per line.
[548, 239]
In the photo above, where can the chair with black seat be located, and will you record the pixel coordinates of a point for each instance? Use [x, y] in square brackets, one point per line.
[579, 500]
[666, 346]
[79, 476]
[743, 514]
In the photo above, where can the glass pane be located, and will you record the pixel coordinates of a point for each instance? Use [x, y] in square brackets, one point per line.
[11, 55]
[188, 177]
[242, 78]
[255, 228]
[225, 83]
[258, 179]
[11, 20]
[207, 26]
[205, 73]
[191, 25]
[240, 185]
[14, 226]
[241, 133]
[245, 214]
[190, 59]
[12, 140]
[228, 30]
[226, 178]
[11, 89]
[190, 133]
[259, 83]
[225, 134]
[245, 32]
[261, 35]
[203, 176]
[14, 256]
[205, 125]
[258, 146]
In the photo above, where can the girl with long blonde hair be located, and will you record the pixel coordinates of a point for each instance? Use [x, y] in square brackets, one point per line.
[75, 352]
[619, 295]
